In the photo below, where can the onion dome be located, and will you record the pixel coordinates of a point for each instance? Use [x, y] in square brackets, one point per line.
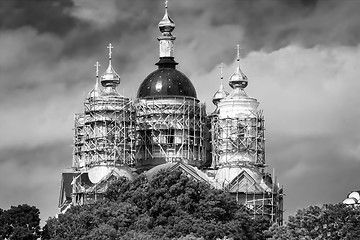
[238, 79]
[221, 93]
[166, 24]
[166, 81]
[96, 92]
[110, 78]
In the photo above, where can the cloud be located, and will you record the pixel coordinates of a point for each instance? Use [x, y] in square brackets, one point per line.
[268, 25]
[44, 16]
[316, 88]
[313, 170]
[272, 25]
[33, 176]
[309, 97]
[37, 89]
[25, 50]
[101, 15]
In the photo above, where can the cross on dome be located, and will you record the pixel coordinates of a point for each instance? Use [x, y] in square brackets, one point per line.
[96, 92]
[221, 93]
[110, 78]
[110, 46]
[221, 70]
[238, 52]
[238, 79]
[166, 3]
[97, 65]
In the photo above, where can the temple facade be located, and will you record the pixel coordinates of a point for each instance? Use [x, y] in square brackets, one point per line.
[167, 127]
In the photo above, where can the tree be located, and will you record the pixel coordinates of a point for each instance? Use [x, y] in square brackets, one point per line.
[331, 221]
[21, 222]
[108, 220]
[170, 206]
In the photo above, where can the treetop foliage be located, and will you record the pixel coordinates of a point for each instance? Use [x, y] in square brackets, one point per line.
[330, 221]
[21, 222]
[170, 206]
[173, 206]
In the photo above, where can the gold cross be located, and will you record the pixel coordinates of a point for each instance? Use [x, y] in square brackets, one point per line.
[97, 65]
[166, 3]
[110, 46]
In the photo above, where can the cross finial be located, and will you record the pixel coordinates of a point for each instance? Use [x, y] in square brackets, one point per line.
[97, 65]
[221, 70]
[238, 51]
[110, 46]
[166, 4]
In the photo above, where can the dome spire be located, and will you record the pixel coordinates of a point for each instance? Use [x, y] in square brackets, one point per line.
[166, 24]
[96, 92]
[166, 40]
[221, 93]
[110, 78]
[167, 80]
[238, 79]
[97, 65]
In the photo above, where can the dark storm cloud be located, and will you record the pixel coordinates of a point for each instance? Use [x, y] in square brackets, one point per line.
[43, 15]
[271, 25]
[59, 17]
[267, 25]
[132, 18]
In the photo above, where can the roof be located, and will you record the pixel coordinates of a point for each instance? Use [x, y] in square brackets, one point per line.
[190, 171]
[166, 81]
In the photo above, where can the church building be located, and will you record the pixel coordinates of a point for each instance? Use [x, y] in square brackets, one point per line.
[167, 127]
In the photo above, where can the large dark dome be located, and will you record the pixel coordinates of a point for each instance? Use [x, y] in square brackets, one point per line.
[164, 82]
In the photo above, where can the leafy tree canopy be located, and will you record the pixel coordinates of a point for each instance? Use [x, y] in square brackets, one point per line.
[331, 221]
[170, 206]
[21, 222]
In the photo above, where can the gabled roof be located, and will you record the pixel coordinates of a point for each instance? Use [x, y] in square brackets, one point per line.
[191, 172]
[249, 181]
[244, 183]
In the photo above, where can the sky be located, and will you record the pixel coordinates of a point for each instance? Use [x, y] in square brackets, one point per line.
[302, 58]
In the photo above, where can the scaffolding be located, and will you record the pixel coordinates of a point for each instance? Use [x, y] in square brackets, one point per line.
[113, 131]
[268, 204]
[260, 198]
[238, 140]
[170, 130]
[104, 133]
[86, 192]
